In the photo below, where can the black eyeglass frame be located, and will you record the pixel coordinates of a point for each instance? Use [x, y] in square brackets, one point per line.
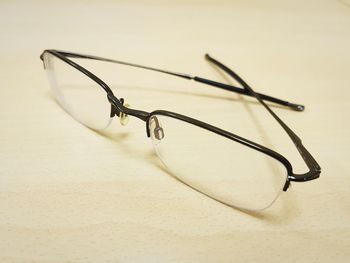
[118, 108]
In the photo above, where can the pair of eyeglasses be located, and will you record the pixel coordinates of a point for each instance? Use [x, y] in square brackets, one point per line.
[209, 159]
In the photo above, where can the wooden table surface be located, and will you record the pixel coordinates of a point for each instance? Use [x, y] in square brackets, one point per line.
[68, 194]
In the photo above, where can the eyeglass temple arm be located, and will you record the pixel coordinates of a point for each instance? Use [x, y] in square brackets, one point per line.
[314, 168]
[296, 107]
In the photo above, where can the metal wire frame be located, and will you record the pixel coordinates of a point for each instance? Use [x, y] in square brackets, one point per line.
[117, 108]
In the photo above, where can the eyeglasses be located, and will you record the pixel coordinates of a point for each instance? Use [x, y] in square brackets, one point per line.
[206, 158]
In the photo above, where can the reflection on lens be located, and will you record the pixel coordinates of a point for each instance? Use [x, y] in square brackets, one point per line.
[221, 168]
[79, 95]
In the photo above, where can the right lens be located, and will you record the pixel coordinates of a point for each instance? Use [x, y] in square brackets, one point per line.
[217, 166]
[78, 94]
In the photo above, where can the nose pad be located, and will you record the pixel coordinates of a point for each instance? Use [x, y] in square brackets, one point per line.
[158, 131]
[123, 117]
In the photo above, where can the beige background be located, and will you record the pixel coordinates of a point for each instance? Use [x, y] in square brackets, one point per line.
[68, 194]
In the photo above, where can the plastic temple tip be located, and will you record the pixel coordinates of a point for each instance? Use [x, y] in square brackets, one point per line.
[293, 106]
[296, 107]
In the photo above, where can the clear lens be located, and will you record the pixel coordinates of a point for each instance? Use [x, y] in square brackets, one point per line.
[79, 95]
[221, 168]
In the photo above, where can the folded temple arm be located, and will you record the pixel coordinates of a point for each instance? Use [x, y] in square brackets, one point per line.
[314, 168]
[216, 84]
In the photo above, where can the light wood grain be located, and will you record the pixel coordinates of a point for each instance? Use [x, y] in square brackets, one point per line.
[68, 194]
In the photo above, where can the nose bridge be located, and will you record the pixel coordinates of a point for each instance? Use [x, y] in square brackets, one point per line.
[116, 104]
[123, 110]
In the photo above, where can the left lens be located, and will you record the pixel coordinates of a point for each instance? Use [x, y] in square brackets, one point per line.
[78, 94]
[226, 170]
